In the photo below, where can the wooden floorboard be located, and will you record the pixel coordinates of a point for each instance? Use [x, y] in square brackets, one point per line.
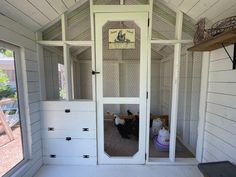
[119, 171]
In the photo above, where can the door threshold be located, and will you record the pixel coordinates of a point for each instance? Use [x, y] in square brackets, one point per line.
[166, 161]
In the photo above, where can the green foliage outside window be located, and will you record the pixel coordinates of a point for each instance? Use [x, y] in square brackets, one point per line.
[6, 52]
[5, 90]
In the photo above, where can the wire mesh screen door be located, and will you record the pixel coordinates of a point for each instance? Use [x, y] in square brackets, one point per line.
[121, 59]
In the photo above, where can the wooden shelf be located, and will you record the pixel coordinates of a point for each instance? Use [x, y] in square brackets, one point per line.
[226, 38]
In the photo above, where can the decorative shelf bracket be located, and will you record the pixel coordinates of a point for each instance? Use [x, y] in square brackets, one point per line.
[234, 55]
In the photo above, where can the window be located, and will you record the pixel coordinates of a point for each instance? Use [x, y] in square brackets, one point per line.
[12, 141]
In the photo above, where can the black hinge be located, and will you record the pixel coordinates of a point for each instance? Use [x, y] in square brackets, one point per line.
[147, 95]
[148, 22]
[145, 156]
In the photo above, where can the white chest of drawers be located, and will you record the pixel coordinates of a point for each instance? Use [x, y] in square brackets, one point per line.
[69, 132]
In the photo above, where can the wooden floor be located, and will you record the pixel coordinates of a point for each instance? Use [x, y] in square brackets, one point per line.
[119, 171]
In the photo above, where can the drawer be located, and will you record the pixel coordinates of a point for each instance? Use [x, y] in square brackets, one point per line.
[82, 133]
[72, 120]
[72, 148]
[79, 106]
[70, 160]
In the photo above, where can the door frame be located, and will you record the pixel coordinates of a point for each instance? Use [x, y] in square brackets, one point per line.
[141, 19]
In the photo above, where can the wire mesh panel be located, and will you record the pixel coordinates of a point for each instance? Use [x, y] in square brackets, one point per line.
[188, 103]
[161, 82]
[121, 130]
[121, 59]
[82, 72]
[54, 72]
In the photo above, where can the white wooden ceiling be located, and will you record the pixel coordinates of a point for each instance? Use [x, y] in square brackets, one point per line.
[213, 10]
[34, 14]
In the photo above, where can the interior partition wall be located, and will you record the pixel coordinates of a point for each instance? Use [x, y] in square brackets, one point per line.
[170, 84]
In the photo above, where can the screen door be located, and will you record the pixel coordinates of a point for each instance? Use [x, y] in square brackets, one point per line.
[121, 72]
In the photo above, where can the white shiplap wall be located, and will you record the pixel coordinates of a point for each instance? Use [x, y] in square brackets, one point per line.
[16, 34]
[220, 127]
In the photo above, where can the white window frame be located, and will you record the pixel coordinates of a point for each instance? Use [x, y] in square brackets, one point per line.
[20, 72]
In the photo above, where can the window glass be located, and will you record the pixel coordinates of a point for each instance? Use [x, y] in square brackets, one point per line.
[11, 142]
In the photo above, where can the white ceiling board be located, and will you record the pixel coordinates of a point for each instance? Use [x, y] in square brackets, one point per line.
[68, 3]
[213, 10]
[28, 9]
[58, 5]
[201, 7]
[186, 5]
[45, 8]
[13, 13]
[175, 2]
[227, 13]
[218, 8]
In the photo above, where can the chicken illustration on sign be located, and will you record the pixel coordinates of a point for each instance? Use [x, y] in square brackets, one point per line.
[121, 38]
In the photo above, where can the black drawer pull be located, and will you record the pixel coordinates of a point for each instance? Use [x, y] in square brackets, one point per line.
[85, 129]
[86, 156]
[53, 156]
[68, 138]
[67, 110]
[50, 129]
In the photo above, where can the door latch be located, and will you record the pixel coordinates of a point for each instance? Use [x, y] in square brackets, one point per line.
[95, 72]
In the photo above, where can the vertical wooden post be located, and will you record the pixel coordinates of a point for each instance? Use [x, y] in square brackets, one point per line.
[67, 67]
[72, 79]
[149, 52]
[202, 105]
[66, 57]
[64, 27]
[175, 85]
[93, 50]
[40, 59]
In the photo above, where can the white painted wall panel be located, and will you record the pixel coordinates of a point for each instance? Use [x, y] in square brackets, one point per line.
[72, 148]
[70, 161]
[221, 110]
[75, 120]
[220, 129]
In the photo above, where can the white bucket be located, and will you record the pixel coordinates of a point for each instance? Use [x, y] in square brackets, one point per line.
[163, 139]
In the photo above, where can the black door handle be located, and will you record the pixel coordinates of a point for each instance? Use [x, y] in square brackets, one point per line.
[95, 72]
